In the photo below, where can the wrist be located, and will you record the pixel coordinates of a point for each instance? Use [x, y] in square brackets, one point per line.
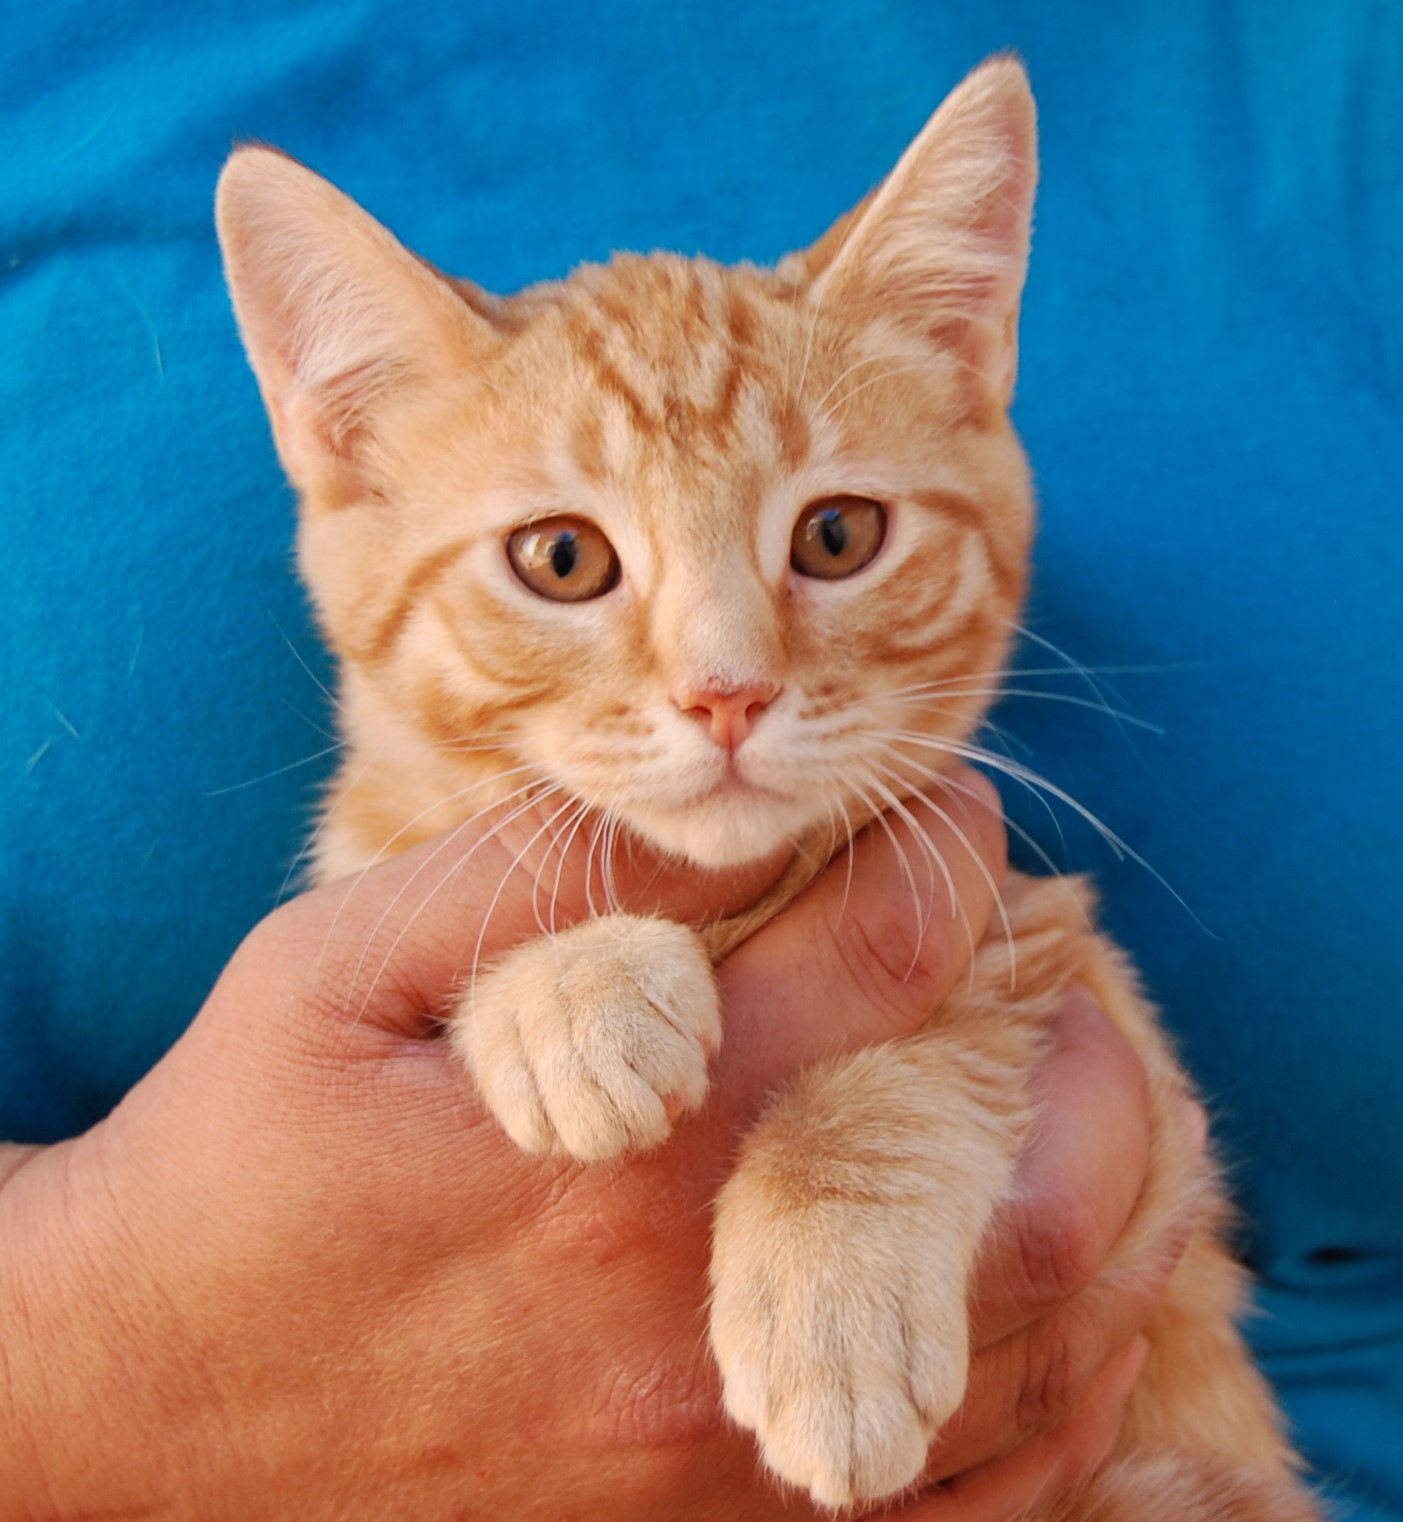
[80, 1431]
[20, 1474]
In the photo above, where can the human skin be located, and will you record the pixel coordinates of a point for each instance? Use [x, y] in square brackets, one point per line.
[300, 1272]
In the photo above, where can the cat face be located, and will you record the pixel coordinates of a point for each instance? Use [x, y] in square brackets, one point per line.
[728, 555]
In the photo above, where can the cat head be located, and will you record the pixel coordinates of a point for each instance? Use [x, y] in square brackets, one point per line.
[729, 554]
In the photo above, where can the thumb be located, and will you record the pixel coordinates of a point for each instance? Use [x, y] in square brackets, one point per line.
[872, 947]
[391, 947]
[865, 953]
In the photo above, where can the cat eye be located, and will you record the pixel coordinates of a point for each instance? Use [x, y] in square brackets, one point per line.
[837, 536]
[565, 559]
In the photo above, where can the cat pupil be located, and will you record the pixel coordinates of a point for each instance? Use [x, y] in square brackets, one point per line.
[563, 559]
[564, 553]
[833, 532]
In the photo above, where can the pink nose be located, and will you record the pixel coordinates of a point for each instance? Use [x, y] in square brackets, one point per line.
[730, 713]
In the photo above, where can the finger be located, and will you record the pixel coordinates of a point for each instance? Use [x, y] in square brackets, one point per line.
[1033, 1380]
[871, 948]
[1047, 1465]
[397, 940]
[1079, 1179]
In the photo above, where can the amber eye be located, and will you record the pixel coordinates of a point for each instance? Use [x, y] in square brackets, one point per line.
[565, 559]
[837, 536]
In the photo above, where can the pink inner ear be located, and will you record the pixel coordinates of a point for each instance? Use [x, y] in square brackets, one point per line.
[336, 315]
[322, 453]
[942, 245]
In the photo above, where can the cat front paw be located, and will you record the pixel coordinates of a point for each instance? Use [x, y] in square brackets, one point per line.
[842, 1364]
[839, 1303]
[593, 1041]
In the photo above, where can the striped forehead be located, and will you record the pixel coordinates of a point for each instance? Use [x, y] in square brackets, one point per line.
[683, 406]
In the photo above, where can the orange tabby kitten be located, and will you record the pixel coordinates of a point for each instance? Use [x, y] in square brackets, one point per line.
[723, 556]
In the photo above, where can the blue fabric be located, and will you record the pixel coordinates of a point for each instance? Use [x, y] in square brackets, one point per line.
[1212, 368]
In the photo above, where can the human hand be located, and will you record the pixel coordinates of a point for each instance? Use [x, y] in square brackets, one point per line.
[299, 1270]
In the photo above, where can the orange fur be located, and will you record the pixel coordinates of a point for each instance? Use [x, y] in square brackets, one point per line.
[691, 414]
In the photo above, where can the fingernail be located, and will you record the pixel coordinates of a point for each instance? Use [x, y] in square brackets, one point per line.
[1128, 1368]
[1119, 1375]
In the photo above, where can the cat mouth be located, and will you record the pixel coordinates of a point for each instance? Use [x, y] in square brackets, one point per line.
[737, 784]
[733, 786]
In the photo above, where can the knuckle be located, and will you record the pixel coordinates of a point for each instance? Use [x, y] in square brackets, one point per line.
[293, 961]
[897, 960]
[1059, 1248]
[1062, 1362]
[270, 958]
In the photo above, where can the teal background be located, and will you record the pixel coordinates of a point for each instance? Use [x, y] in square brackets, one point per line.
[1211, 387]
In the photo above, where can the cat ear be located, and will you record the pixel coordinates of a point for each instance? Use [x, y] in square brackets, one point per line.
[942, 244]
[339, 319]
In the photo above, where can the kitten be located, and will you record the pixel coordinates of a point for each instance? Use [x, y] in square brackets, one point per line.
[722, 555]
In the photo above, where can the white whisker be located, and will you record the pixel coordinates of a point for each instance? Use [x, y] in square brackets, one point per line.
[858, 364]
[1034, 781]
[879, 815]
[317, 682]
[581, 814]
[326, 734]
[1005, 737]
[506, 878]
[848, 876]
[553, 846]
[946, 689]
[862, 386]
[1012, 825]
[310, 842]
[1096, 706]
[387, 848]
[984, 872]
[281, 771]
[1076, 668]
[529, 800]
[808, 346]
[611, 846]
[896, 803]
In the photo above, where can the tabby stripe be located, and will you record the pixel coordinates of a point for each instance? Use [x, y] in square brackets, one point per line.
[387, 632]
[792, 429]
[447, 719]
[889, 647]
[971, 516]
[612, 381]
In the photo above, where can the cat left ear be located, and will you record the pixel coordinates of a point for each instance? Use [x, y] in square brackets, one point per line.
[341, 322]
[942, 244]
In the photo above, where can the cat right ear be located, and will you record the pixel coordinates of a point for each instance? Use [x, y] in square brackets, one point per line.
[942, 245]
[340, 321]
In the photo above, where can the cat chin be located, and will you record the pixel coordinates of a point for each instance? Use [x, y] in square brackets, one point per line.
[725, 832]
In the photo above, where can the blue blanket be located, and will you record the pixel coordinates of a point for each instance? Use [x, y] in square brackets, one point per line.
[1212, 367]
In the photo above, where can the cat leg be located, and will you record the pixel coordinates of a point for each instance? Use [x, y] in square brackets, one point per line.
[594, 1040]
[843, 1252]
[1167, 1487]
